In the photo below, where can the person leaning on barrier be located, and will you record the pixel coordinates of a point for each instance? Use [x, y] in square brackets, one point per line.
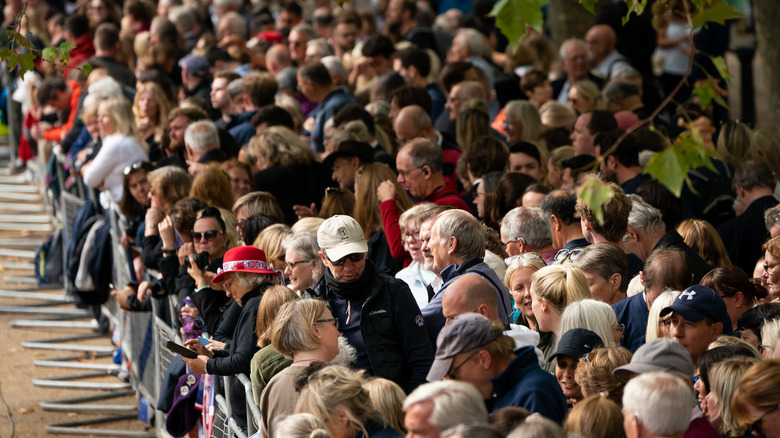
[245, 274]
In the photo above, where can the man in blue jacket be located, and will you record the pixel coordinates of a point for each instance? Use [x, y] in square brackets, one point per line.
[475, 350]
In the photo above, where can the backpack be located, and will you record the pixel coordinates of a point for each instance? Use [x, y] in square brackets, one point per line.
[48, 260]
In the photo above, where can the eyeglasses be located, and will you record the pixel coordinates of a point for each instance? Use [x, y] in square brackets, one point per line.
[335, 321]
[453, 374]
[207, 235]
[414, 235]
[524, 256]
[505, 244]
[405, 173]
[756, 427]
[620, 328]
[571, 254]
[354, 258]
[292, 264]
[138, 165]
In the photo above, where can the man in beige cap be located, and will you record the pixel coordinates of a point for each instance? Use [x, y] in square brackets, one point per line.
[377, 314]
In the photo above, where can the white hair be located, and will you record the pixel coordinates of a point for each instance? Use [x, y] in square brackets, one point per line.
[303, 425]
[568, 43]
[237, 22]
[201, 136]
[453, 403]
[661, 401]
[336, 68]
[664, 300]
[592, 315]
[473, 39]
[770, 332]
[528, 223]
[105, 88]
[645, 217]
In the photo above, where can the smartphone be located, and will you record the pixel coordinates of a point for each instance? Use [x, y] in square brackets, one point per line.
[204, 341]
[182, 350]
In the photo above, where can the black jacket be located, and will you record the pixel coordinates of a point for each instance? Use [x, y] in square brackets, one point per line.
[393, 330]
[744, 235]
[237, 359]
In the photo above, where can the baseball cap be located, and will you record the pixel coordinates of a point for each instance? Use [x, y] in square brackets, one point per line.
[577, 342]
[351, 148]
[466, 332]
[195, 65]
[698, 302]
[340, 236]
[662, 354]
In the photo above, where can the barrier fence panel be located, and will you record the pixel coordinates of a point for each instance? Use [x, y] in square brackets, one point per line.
[252, 410]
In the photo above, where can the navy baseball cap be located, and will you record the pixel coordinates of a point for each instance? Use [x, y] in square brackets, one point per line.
[577, 342]
[698, 302]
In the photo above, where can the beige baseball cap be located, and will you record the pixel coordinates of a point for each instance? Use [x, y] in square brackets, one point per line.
[340, 236]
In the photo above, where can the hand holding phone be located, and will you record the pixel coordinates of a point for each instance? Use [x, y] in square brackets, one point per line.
[181, 350]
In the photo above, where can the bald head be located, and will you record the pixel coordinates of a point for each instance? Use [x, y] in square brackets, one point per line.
[600, 42]
[412, 122]
[470, 293]
[277, 58]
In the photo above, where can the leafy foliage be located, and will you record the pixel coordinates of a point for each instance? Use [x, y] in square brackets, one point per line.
[512, 17]
[717, 11]
[595, 193]
[635, 6]
[671, 166]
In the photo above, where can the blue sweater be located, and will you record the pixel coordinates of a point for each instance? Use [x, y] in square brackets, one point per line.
[523, 383]
[333, 102]
[633, 313]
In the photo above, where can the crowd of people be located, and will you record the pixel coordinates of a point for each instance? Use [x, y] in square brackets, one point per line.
[371, 210]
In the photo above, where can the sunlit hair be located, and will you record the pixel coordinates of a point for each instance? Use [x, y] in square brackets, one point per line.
[595, 416]
[160, 100]
[121, 112]
[560, 286]
[293, 328]
[411, 216]
[302, 425]
[724, 378]
[665, 299]
[335, 389]
[527, 115]
[594, 373]
[212, 185]
[273, 299]
[280, 146]
[454, 403]
[702, 237]
[171, 183]
[259, 203]
[270, 241]
[367, 180]
[522, 262]
[590, 314]
[387, 399]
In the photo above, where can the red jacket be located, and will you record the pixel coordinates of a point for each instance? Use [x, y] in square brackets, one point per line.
[83, 51]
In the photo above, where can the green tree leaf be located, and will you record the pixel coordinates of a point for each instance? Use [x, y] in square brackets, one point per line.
[671, 166]
[87, 69]
[512, 16]
[707, 91]
[718, 12]
[66, 46]
[720, 64]
[589, 4]
[635, 6]
[27, 61]
[50, 54]
[595, 193]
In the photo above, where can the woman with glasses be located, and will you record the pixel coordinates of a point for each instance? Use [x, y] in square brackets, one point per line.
[415, 275]
[305, 331]
[756, 402]
[771, 272]
[303, 267]
[244, 275]
[367, 180]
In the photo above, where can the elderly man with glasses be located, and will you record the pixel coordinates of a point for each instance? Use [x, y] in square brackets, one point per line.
[378, 315]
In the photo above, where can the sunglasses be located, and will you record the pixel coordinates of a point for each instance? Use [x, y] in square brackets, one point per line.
[138, 165]
[571, 254]
[354, 258]
[207, 235]
[524, 256]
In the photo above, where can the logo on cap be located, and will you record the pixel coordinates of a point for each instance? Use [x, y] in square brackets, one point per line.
[342, 232]
[689, 294]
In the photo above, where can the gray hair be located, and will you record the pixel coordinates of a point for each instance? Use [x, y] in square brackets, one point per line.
[183, 17]
[105, 88]
[568, 43]
[305, 244]
[589, 314]
[772, 217]
[526, 114]
[250, 281]
[538, 427]
[354, 130]
[201, 136]
[303, 425]
[529, 224]
[237, 22]
[620, 90]
[645, 217]
[661, 401]
[235, 87]
[424, 152]
[624, 72]
[322, 46]
[336, 68]
[604, 260]
[476, 430]
[463, 226]
[453, 403]
[305, 29]
[473, 39]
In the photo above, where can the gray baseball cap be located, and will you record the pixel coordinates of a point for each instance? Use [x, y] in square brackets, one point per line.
[661, 354]
[466, 332]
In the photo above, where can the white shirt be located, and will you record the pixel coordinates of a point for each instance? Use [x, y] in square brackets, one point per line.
[116, 153]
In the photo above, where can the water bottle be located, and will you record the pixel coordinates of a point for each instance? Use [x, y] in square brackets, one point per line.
[189, 326]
